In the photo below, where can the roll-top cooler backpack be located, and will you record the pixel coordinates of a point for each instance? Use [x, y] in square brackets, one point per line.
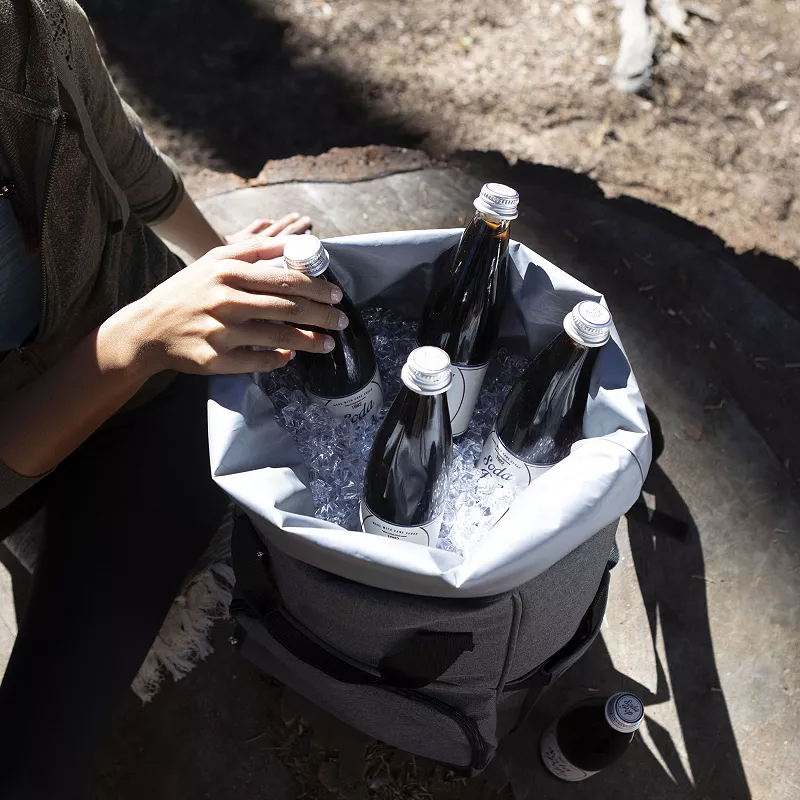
[437, 654]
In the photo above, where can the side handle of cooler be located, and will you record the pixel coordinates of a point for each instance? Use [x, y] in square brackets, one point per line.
[418, 661]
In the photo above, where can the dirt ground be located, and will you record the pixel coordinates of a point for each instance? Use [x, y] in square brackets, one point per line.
[229, 86]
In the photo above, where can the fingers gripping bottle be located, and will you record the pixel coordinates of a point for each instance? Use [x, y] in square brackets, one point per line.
[347, 380]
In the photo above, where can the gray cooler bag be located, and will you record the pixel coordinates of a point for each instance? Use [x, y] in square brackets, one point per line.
[435, 653]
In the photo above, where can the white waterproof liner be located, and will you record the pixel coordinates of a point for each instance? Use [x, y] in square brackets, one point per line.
[257, 463]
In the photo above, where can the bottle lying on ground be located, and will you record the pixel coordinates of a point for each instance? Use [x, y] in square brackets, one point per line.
[463, 310]
[408, 467]
[346, 381]
[591, 736]
[542, 417]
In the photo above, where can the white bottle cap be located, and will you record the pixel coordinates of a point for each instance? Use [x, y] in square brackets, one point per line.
[624, 712]
[589, 324]
[427, 371]
[306, 254]
[498, 200]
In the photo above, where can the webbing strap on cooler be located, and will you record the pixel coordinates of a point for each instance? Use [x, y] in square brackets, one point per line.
[422, 658]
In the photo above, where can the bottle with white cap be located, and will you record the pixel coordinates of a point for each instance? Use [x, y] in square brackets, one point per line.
[542, 417]
[407, 474]
[463, 311]
[591, 736]
[346, 380]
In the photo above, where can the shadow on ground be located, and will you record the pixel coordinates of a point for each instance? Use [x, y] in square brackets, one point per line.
[678, 608]
[221, 71]
[741, 311]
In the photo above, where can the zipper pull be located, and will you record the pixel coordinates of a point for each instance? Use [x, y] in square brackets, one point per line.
[6, 186]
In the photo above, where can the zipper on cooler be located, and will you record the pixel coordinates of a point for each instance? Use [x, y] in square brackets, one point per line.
[470, 729]
[477, 742]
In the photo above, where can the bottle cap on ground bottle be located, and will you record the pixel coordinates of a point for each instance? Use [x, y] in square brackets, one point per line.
[589, 324]
[306, 254]
[427, 371]
[624, 712]
[498, 201]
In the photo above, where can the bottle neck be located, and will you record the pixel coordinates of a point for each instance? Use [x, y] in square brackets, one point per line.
[564, 389]
[497, 227]
[414, 387]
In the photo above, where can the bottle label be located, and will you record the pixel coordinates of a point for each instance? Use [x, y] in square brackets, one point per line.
[366, 403]
[506, 468]
[426, 534]
[463, 394]
[556, 762]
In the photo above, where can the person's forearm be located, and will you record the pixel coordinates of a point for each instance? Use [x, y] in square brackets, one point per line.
[47, 420]
[221, 315]
[189, 230]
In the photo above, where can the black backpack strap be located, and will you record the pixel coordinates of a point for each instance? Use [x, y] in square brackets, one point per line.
[422, 658]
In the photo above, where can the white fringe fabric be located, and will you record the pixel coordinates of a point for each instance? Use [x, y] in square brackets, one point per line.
[184, 637]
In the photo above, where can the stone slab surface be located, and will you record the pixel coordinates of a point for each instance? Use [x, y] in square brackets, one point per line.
[705, 630]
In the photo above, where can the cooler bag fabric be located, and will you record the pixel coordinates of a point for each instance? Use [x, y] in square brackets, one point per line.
[442, 678]
[256, 461]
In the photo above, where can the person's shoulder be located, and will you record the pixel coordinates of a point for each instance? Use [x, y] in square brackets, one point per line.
[15, 24]
[14, 17]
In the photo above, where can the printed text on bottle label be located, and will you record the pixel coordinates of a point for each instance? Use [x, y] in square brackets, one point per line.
[555, 761]
[419, 534]
[366, 402]
[507, 469]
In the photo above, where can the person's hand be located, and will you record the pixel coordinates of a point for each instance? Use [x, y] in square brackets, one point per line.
[290, 224]
[207, 318]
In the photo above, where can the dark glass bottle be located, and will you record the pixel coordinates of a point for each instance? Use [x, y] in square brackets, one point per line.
[542, 417]
[408, 468]
[463, 310]
[346, 380]
[591, 736]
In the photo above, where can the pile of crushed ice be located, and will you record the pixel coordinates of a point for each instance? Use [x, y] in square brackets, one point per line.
[336, 451]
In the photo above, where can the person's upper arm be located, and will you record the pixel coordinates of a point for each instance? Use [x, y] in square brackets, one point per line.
[151, 182]
[12, 484]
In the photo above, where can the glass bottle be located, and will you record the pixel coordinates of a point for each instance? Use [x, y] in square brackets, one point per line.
[408, 467]
[463, 310]
[347, 380]
[591, 736]
[542, 416]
